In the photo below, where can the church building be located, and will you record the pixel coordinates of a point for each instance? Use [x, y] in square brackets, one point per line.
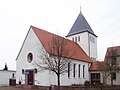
[81, 37]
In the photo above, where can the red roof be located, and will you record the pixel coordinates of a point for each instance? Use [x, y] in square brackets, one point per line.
[111, 51]
[46, 37]
[97, 66]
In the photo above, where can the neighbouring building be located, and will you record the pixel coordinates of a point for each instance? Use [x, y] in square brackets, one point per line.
[104, 71]
[6, 75]
[96, 72]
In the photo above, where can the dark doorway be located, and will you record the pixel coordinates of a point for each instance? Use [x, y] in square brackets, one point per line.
[30, 77]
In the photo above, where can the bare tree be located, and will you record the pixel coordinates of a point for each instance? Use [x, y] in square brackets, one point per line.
[110, 65]
[56, 57]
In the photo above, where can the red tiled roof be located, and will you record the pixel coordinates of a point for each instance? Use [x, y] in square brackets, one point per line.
[97, 66]
[111, 51]
[46, 37]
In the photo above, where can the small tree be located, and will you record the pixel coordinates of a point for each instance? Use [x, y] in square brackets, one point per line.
[56, 57]
[110, 65]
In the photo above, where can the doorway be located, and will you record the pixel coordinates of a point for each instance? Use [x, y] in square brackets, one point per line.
[29, 75]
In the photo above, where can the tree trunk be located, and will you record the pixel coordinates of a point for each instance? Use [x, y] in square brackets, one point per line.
[58, 77]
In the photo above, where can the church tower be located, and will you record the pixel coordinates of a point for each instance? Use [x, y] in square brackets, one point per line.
[82, 33]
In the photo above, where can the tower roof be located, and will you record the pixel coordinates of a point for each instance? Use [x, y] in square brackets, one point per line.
[80, 25]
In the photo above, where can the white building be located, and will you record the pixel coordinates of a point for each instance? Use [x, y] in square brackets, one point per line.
[82, 33]
[6, 75]
[38, 39]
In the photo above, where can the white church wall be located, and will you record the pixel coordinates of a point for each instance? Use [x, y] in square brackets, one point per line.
[31, 45]
[65, 80]
[5, 75]
[77, 79]
[93, 46]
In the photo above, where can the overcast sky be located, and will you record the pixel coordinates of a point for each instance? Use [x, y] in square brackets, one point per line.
[56, 16]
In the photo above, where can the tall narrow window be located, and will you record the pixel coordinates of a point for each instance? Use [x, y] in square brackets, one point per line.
[75, 39]
[78, 38]
[83, 71]
[79, 70]
[68, 69]
[113, 76]
[113, 61]
[74, 70]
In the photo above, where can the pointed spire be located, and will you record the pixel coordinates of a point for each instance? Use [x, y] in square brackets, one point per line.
[5, 68]
[80, 7]
[80, 25]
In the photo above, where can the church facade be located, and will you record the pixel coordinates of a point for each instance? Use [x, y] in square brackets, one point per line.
[81, 37]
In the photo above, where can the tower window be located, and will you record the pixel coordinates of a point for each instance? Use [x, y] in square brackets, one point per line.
[78, 38]
[75, 39]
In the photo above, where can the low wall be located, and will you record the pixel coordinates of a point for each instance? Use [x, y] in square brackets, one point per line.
[69, 87]
[86, 88]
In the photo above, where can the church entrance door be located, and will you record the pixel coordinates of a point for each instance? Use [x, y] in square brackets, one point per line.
[30, 77]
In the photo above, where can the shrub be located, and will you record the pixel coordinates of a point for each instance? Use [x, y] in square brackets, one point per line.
[87, 83]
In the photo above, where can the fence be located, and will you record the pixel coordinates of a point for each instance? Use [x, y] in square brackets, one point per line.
[86, 88]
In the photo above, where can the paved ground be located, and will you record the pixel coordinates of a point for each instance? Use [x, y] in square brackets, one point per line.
[14, 88]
